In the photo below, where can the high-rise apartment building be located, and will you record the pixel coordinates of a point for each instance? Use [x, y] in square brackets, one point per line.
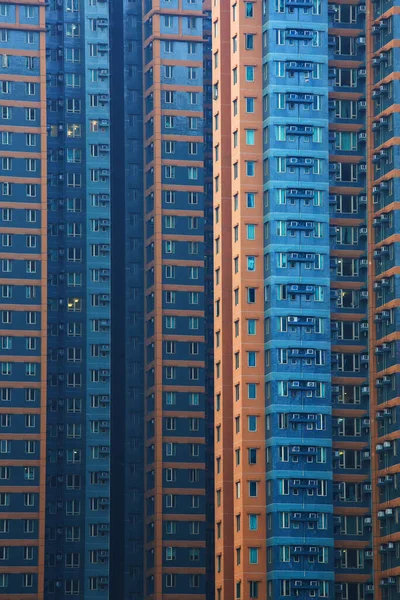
[161, 516]
[175, 500]
[127, 434]
[162, 177]
[230, 172]
[383, 290]
[292, 424]
[78, 395]
[23, 345]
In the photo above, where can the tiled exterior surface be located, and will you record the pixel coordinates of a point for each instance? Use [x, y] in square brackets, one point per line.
[383, 220]
[79, 296]
[127, 439]
[23, 299]
[176, 404]
[290, 235]
[232, 169]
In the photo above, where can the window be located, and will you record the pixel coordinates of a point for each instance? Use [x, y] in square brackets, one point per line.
[253, 589]
[30, 89]
[170, 424]
[194, 581]
[5, 87]
[6, 367]
[194, 424]
[253, 556]
[6, 138]
[29, 526]
[30, 420]
[253, 489]
[249, 9]
[251, 295]
[170, 553]
[251, 359]
[169, 122]
[7, 188]
[169, 147]
[215, 29]
[170, 372]
[169, 271]
[170, 580]
[250, 168]
[169, 71]
[238, 590]
[194, 554]
[252, 456]
[194, 527]
[193, 322]
[252, 391]
[251, 263]
[169, 97]
[29, 499]
[249, 73]
[192, 147]
[253, 522]
[249, 41]
[252, 422]
[194, 399]
[169, 172]
[6, 164]
[250, 137]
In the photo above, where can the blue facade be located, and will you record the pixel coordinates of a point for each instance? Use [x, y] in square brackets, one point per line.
[349, 302]
[78, 469]
[300, 483]
[127, 492]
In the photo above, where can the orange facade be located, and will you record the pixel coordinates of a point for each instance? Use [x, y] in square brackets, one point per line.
[38, 388]
[239, 325]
